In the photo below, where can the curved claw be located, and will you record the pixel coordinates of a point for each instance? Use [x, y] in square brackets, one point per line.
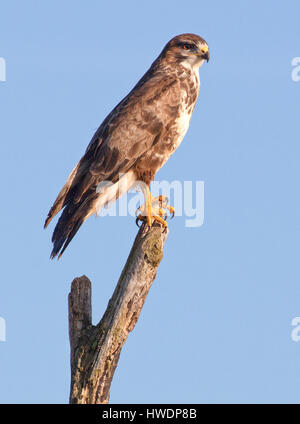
[137, 222]
[154, 209]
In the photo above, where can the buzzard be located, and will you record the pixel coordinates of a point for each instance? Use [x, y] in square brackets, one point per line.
[134, 141]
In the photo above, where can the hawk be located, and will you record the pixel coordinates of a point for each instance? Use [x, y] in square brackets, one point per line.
[134, 141]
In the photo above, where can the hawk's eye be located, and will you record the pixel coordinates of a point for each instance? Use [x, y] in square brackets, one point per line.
[187, 46]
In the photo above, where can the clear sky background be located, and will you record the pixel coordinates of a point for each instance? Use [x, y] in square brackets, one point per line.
[216, 326]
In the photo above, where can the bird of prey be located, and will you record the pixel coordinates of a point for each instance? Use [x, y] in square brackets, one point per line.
[134, 141]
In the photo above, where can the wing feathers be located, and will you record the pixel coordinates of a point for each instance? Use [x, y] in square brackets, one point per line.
[124, 136]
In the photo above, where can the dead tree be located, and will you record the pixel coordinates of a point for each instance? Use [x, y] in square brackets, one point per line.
[95, 349]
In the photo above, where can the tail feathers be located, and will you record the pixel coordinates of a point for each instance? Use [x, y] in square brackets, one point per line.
[68, 224]
[60, 244]
[76, 212]
[63, 194]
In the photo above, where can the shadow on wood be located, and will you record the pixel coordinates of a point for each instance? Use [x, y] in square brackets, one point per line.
[95, 350]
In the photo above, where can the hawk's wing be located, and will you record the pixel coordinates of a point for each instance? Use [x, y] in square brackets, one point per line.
[137, 122]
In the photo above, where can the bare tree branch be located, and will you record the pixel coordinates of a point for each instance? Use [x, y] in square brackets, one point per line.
[95, 350]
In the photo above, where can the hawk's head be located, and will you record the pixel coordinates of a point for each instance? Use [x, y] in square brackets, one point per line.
[187, 49]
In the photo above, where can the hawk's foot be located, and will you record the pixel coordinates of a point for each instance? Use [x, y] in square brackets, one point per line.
[155, 210]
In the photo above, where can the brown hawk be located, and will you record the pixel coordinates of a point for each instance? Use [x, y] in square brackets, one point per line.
[134, 140]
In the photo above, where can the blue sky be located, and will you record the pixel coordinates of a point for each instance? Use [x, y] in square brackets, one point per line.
[216, 326]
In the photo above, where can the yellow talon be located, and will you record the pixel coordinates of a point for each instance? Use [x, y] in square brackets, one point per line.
[160, 220]
[154, 208]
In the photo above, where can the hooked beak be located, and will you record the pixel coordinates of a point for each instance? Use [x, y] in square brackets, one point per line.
[204, 53]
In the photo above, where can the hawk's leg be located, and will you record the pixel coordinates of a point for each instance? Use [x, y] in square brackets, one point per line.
[154, 209]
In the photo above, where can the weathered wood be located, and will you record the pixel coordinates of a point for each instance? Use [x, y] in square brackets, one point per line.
[95, 350]
[80, 310]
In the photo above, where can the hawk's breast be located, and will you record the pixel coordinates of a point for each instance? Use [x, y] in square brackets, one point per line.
[178, 109]
[189, 89]
[182, 125]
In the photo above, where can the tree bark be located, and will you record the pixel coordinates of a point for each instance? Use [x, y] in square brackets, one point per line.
[95, 350]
